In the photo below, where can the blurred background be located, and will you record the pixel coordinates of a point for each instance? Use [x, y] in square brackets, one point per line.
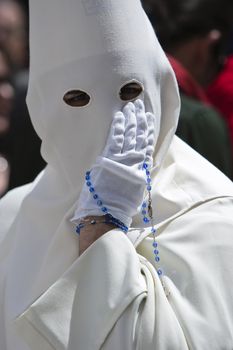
[197, 36]
[20, 159]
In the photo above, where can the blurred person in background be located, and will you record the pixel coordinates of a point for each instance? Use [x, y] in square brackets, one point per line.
[20, 139]
[6, 100]
[6, 93]
[13, 33]
[195, 43]
[220, 91]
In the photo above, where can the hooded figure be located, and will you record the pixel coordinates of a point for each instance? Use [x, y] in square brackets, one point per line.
[111, 297]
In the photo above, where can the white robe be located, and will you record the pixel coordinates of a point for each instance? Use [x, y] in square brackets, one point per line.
[111, 297]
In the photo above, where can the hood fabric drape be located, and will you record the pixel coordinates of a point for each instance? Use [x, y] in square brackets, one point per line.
[111, 296]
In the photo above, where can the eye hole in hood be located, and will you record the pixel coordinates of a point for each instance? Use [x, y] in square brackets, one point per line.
[76, 98]
[130, 91]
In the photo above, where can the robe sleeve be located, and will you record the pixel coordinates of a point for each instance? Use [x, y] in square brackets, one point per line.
[110, 299]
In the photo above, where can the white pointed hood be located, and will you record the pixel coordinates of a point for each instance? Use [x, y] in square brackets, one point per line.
[97, 47]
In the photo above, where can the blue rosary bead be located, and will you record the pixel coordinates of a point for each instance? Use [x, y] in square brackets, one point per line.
[143, 212]
[149, 188]
[88, 184]
[99, 203]
[88, 173]
[91, 189]
[160, 272]
[155, 244]
[118, 223]
[157, 259]
[104, 210]
[146, 220]
[95, 196]
[156, 252]
[79, 227]
[145, 166]
[144, 204]
[88, 177]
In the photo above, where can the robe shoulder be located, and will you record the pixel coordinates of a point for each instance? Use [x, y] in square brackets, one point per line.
[184, 181]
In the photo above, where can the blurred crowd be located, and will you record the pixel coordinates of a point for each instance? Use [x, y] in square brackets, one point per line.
[197, 36]
[20, 159]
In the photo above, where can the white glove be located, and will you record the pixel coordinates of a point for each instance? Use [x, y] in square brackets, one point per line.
[118, 176]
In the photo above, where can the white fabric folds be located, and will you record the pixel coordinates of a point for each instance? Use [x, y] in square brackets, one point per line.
[111, 298]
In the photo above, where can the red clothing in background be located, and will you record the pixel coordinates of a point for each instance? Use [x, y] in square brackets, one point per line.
[220, 93]
[186, 82]
[200, 125]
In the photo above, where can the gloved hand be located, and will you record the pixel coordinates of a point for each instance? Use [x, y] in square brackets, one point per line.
[118, 176]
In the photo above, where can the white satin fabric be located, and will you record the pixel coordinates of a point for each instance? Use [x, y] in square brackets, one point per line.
[111, 298]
